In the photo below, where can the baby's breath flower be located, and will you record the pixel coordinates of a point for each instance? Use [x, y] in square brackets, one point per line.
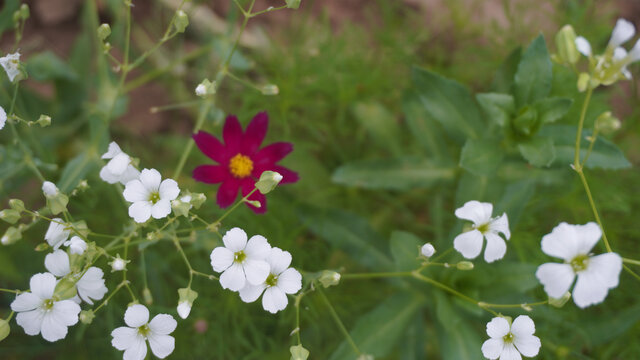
[76, 245]
[150, 195]
[508, 341]
[118, 264]
[469, 243]
[57, 233]
[119, 168]
[427, 250]
[133, 337]
[90, 286]
[10, 64]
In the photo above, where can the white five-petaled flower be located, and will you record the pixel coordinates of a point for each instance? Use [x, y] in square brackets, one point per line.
[469, 243]
[3, 117]
[49, 189]
[119, 168]
[150, 195]
[508, 341]
[241, 261]
[38, 312]
[56, 234]
[596, 274]
[76, 245]
[282, 280]
[90, 286]
[132, 338]
[10, 64]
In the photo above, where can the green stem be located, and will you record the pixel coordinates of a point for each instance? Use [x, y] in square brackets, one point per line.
[338, 322]
[106, 301]
[186, 260]
[10, 291]
[376, 275]
[583, 114]
[631, 261]
[219, 221]
[506, 306]
[592, 142]
[187, 149]
[270, 9]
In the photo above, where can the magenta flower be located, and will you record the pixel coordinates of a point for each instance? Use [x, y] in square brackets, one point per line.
[241, 161]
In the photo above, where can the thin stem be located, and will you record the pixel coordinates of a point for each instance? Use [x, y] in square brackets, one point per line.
[583, 114]
[506, 306]
[592, 142]
[594, 209]
[186, 260]
[244, 82]
[376, 275]
[219, 221]
[338, 322]
[187, 149]
[270, 9]
[297, 305]
[631, 261]
[10, 291]
[106, 301]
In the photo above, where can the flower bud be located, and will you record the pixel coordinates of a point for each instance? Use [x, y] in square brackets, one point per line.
[65, 289]
[299, 353]
[181, 22]
[44, 120]
[24, 12]
[197, 200]
[146, 295]
[186, 297]
[206, 88]
[56, 201]
[5, 329]
[268, 181]
[16, 204]
[329, 278]
[559, 302]
[566, 44]
[9, 215]
[583, 81]
[607, 123]
[255, 203]
[270, 89]
[293, 4]
[181, 207]
[42, 247]
[118, 264]
[104, 31]
[464, 265]
[427, 250]
[11, 236]
[87, 316]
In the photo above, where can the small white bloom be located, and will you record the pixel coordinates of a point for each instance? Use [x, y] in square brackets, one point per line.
[56, 234]
[583, 46]
[90, 286]
[184, 309]
[623, 31]
[49, 189]
[10, 64]
[39, 313]
[508, 341]
[469, 243]
[282, 280]
[76, 245]
[241, 261]
[4, 240]
[596, 274]
[150, 196]
[118, 264]
[634, 54]
[119, 168]
[3, 117]
[201, 90]
[132, 338]
[427, 250]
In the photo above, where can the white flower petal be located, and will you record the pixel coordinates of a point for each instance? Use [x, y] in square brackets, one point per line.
[278, 260]
[492, 348]
[634, 54]
[57, 263]
[497, 327]
[118, 165]
[91, 285]
[608, 267]
[134, 191]
[184, 309]
[65, 312]
[588, 236]
[56, 233]
[150, 178]
[107, 176]
[501, 225]
[163, 324]
[250, 293]
[562, 242]
[523, 326]
[257, 248]
[10, 64]
[31, 321]
[469, 244]
[427, 250]
[161, 209]
[3, 117]
[233, 278]
[290, 281]
[528, 345]
[274, 300]
[221, 258]
[475, 211]
[619, 53]
[256, 271]
[583, 46]
[52, 330]
[169, 190]
[123, 337]
[235, 239]
[509, 352]
[112, 151]
[496, 247]
[49, 189]
[130, 174]
[556, 278]
[594, 283]
[626, 73]
[137, 350]
[161, 345]
[76, 245]
[623, 31]
[26, 302]
[140, 211]
[42, 285]
[136, 315]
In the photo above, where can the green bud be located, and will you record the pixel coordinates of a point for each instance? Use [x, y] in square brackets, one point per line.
[11, 236]
[146, 295]
[197, 200]
[44, 120]
[583, 81]
[42, 247]
[293, 4]
[106, 47]
[329, 278]
[560, 301]
[17, 205]
[268, 181]
[566, 44]
[526, 122]
[299, 353]
[206, 88]
[83, 185]
[5, 329]
[464, 265]
[181, 22]
[180, 208]
[188, 295]
[16, 18]
[87, 316]
[24, 11]
[104, 31]
[9, 215]
[270, 89]
[57, 203]
[607, 123]
[255, 203]
[66, 288]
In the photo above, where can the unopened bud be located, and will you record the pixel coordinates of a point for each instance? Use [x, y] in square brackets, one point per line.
[293, 4]
[197, 200]
[268, 181]
[427, 250]
[5, 329]
[16, 204]
[181, 207]
[9, 215]
[559, 302]
[607, 123]
[299, 353]
[87, 316]
[56, 200]
[329, 278]
[104, 31]
[181, 22]
[206, 88]
[270, 89]
[11, 236]
[66, 288]
[566, 44]
[24, 12]
[118, 264]
[464, 265]
[583, 81]
[186, 297]
[44, 120]
[255, 203]
[146, 295]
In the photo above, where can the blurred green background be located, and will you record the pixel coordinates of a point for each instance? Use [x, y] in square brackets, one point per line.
[344, 71]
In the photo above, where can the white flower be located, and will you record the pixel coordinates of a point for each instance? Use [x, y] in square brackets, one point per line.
[508, 341]
[634, 54]
[39, 313]
[184, 309]
[3, 117]
[241, 261]
[150, 196]
[583, 46]
[10, 64]
[76, 245]
[90, 286]
[56, 234]
[49, 189]
[596, 274]
[282, 280]
[623, 31]
[132, 338]
[119, 168]
[118, 264]
[427, 250]
[201, 90]
[469, 243]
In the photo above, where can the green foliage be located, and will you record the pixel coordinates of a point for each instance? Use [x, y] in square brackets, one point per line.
[532, 80]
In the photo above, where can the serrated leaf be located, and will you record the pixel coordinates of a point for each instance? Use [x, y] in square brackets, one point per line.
[498, 108]
[378, 332]
[481, 157]
[539, 151]
[533, 79]
[449, 103]
[405, 250]
[392, 174]
[552, 109]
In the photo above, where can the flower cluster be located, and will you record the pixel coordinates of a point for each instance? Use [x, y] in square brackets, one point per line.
[252, 267]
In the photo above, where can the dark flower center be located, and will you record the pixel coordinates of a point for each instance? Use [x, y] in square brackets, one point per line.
[240, 166]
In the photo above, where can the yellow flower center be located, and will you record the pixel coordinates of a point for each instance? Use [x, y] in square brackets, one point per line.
[239, 256]
[154, 197]
[508, 339]
[240, 166]
[483, 228]
[579, 263]
[272, 280]
[144, 330]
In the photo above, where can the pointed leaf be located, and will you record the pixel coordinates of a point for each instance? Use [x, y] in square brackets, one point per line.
[533, 78]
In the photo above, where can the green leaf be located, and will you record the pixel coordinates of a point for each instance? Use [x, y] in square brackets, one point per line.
[552, 109]
[515, 198]
[425, 129]
[498, 108]
[380, 123]
[458, 341]
[392, 174]
[607, 327]
[412, 346]
[348, 232]
[539, 151]
[405, 250]
[75, 170]
[533, 78]
[47, 66]
[605, 154]
[481, 157]
[6, 15]
[378, 332]
[449, 103]
[503, 79]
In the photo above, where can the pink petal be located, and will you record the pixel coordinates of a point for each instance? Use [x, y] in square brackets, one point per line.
[228, 192]
[232, 134]
[255, 133]
[211, 174]
[273, 153]
[248, 184]
[210, 146]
